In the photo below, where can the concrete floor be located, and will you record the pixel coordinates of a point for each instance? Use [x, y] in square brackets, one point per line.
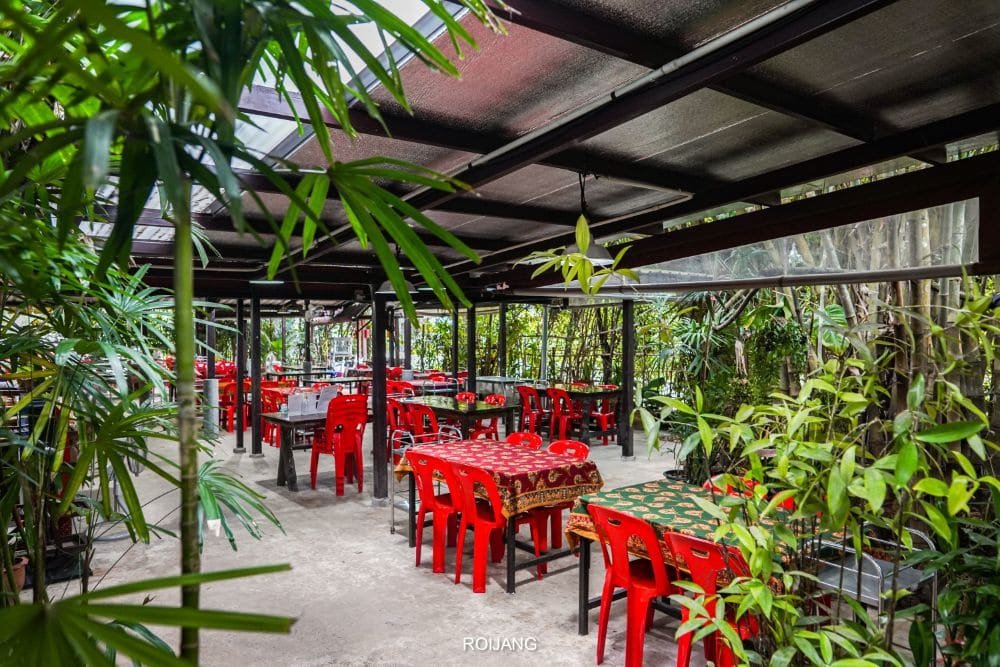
[354, 589]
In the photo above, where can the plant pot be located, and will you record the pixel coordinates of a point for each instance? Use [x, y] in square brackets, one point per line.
[20, 570]
[675, 474]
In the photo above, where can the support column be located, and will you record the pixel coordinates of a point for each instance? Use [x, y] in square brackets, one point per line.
[210, 341]
[470, 346]
[628, 380]
[256, 450]
[307, 360]
[502, 341]
[283, 332]
[241, 365]
[390, 320]
[407, 343]
[454, 344]
[380, 462]
[543, 371]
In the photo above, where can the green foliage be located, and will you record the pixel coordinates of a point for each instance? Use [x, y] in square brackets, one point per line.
[219, 493]
[850, 472]
[773, 342]
[89, 629]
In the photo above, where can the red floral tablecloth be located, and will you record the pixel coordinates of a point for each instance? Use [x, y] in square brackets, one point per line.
[526, 478]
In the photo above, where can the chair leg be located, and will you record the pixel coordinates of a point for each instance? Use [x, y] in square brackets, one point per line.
[440, 529]
[602, 619]
[479, 546]
[538, 537]
[463, 526]
[497, 544]
[635, 627]
[556, 531]
[313, 465]
[683, 642]
[421, 514]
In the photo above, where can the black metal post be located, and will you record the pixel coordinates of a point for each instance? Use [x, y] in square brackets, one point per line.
[628, 379]
[241, 365]
[407, 343]
[454, 344]
[256, 450]
[390, 320]
[380, 462]
[283, 333]
[210, 342]
[470, 346]
[502, 342]
[307, 360]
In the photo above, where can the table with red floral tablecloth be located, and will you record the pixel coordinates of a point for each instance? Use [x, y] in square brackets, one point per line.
[525, 478]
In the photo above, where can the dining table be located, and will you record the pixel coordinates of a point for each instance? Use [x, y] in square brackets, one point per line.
[466, 413]
[428, 387]
[288, 425]
[526, 479]
[588, 396]
[666, 504]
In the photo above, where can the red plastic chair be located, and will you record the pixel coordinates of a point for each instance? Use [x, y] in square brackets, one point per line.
[533, 414]
[553, 513]
[444, 506]
[574, 448]
[605, 415]
[400, 431]
[271, 401]
[524, 439]
[745, 487]
[343, 432]
[227, 406]
[486, 519]
[705, 561]
[489, 429]
[564, 413]
[643, 579]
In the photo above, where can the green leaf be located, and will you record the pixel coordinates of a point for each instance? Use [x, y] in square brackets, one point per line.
[906, 462]
[931, 486]
[950, 432]
[875, 488]
[959, 494]
[582, 234]
[836, 494]
[99, 134]
[915, 394]
[937, 521]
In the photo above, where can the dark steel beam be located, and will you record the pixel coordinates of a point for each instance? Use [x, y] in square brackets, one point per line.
[256, 450]
[241, 365]
[497, 209]
[627, 398]
[937, 133]
[933, 186]
[578, 27]
[470, 347]
[380, 463]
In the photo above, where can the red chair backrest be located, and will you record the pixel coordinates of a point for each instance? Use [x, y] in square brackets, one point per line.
[466, 397]
[422, 419]
[346, 414]
[394, 373]
[574, 448]
[705, 560]
[396, 415]
[561, 402]
[530, 400]
[425, 470]
[524, 439]
[615, 530]
[496, 399]
[476, 479]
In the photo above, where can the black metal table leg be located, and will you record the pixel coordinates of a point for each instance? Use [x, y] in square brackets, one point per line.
[411, 510]
[511, 549]
[583, 620]
[508, 421]
[287, 442]
[588, 407]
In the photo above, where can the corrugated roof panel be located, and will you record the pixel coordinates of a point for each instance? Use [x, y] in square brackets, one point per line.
[513, 84]
[711, 134]
[912, 62]
[684, 23]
